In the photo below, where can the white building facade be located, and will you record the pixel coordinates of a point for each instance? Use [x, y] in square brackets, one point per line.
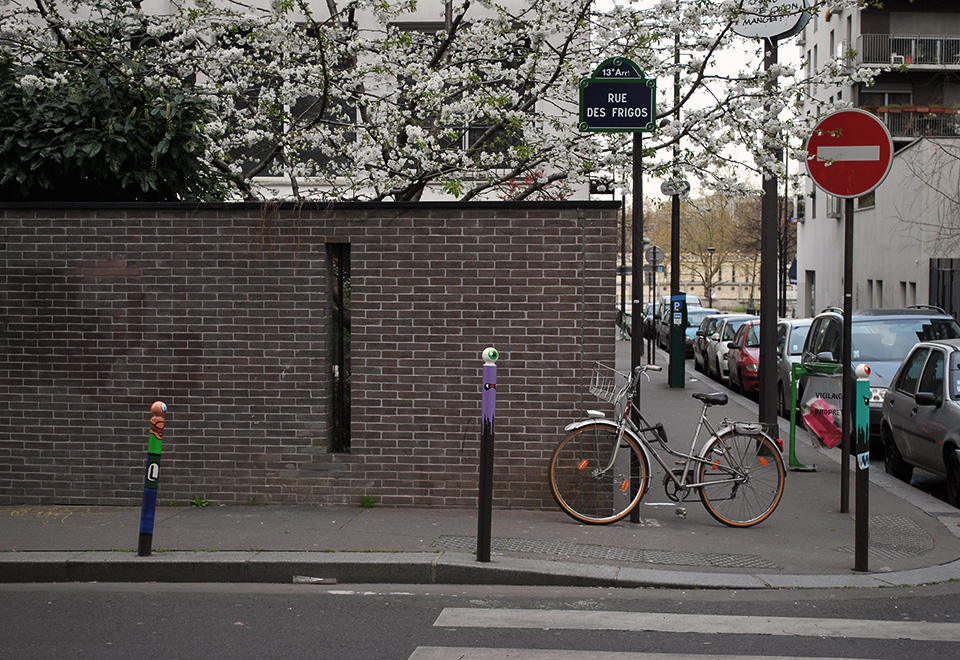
[902, 252]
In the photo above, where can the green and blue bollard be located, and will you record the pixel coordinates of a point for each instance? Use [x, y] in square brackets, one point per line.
[150, 481]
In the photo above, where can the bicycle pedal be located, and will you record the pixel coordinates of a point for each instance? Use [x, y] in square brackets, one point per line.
[681, 512]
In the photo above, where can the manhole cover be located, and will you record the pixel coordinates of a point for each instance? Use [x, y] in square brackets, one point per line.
[892, 537]
[587, 551]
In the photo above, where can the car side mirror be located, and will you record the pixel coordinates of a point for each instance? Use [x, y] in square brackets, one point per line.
[826, 356]
[927, 399]
[732, 344]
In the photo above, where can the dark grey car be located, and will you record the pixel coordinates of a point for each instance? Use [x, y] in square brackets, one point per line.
[920, 425]
[882, 338]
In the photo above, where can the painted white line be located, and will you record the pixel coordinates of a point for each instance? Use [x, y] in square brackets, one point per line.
[456, 617]
[848, 153]
[477, 653]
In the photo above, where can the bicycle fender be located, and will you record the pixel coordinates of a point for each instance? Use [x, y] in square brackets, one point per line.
[610, 424]
[745, 428]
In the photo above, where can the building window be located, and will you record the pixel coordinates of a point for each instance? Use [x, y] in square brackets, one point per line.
[338, 259]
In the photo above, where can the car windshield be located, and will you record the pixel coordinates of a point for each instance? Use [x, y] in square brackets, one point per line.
[695, 316]
[797, 336]
[892, 339]
[731, 329]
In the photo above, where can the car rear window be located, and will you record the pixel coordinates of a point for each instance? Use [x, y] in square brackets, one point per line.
[892, 339]
[797, 337]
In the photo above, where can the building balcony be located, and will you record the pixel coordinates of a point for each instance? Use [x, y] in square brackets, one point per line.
[914, 122]
[913, 50]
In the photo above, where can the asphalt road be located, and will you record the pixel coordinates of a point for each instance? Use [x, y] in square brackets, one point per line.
[392, 622]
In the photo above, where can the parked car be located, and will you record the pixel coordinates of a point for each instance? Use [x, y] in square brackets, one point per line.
[791, 333]
[920, 422]
[701, 338]
[882, 338]
[717, 346]
[663, 315]
[743, 358]
[695, 316]
[649, 321]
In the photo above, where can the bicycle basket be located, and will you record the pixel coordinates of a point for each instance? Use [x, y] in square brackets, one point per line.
[608, 384]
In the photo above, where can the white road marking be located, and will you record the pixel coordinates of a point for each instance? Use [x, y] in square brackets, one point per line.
[476, 653]
[456, 617]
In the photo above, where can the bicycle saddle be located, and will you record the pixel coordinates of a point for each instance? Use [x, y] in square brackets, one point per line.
[712, 399]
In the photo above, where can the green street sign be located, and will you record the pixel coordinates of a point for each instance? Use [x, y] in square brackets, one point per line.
[617, 99]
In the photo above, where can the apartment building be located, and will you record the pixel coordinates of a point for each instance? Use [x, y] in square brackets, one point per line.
[900, 255]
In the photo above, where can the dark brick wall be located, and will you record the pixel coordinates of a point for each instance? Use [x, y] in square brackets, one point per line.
[224, 313]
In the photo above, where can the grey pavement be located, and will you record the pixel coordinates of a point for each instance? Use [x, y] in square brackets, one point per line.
[807, 543]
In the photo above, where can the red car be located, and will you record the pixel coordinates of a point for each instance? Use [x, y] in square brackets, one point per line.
[743, 358]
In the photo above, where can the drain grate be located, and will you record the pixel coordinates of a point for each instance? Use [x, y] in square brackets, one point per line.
[586, 551]
[892, 537]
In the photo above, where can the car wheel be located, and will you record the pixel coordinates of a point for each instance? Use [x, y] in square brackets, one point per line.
[736, 386]
[893, 462]
[953, 479]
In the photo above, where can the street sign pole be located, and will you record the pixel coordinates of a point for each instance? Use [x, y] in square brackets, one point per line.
[767, 397]
[849, 154]
[636, 339]
[770, 21]
[618, 98]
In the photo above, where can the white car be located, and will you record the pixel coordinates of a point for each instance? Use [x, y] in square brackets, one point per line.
[717, 347]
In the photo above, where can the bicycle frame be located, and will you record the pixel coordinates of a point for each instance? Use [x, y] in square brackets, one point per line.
[626, 425]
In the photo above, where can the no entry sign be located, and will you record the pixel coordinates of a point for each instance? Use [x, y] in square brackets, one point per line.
[849, 153]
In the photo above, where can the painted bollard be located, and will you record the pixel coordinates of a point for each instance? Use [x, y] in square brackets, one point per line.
[485, 496]
[149, 507]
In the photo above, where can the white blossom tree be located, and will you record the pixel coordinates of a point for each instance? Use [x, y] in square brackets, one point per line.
[391, 99]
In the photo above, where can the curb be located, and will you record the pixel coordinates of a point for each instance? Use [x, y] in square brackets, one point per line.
[412, 568]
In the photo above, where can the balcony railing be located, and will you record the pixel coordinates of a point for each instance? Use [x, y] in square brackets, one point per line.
[908, 49]
[917, 122]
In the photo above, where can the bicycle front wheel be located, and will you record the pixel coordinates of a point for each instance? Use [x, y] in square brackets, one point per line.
[595, 478]
[742, 478]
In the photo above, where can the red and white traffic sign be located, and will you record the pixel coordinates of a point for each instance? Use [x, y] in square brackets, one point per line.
[849, 153]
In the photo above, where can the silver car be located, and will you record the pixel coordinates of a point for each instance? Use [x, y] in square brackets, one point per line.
[791, 334]
[920, 423]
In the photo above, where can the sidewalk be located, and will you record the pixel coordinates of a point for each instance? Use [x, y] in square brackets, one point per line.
[914, 538]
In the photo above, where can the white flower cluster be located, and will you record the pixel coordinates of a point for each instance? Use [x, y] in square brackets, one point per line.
[389, 99]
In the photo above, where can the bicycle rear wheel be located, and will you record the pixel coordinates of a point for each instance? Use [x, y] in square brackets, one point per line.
[582, 483]
[742, 479]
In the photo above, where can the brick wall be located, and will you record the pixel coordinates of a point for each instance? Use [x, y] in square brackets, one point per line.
[224, 313]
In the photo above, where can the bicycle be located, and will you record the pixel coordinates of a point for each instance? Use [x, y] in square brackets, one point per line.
[600, 471]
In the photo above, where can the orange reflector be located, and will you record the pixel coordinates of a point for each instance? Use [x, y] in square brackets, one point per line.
[715, 465]
[582, 464]
[764, 462]
[625, 486]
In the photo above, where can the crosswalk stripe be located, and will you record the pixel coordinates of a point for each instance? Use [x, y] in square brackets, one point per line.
[461, 617]
[470, 653]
